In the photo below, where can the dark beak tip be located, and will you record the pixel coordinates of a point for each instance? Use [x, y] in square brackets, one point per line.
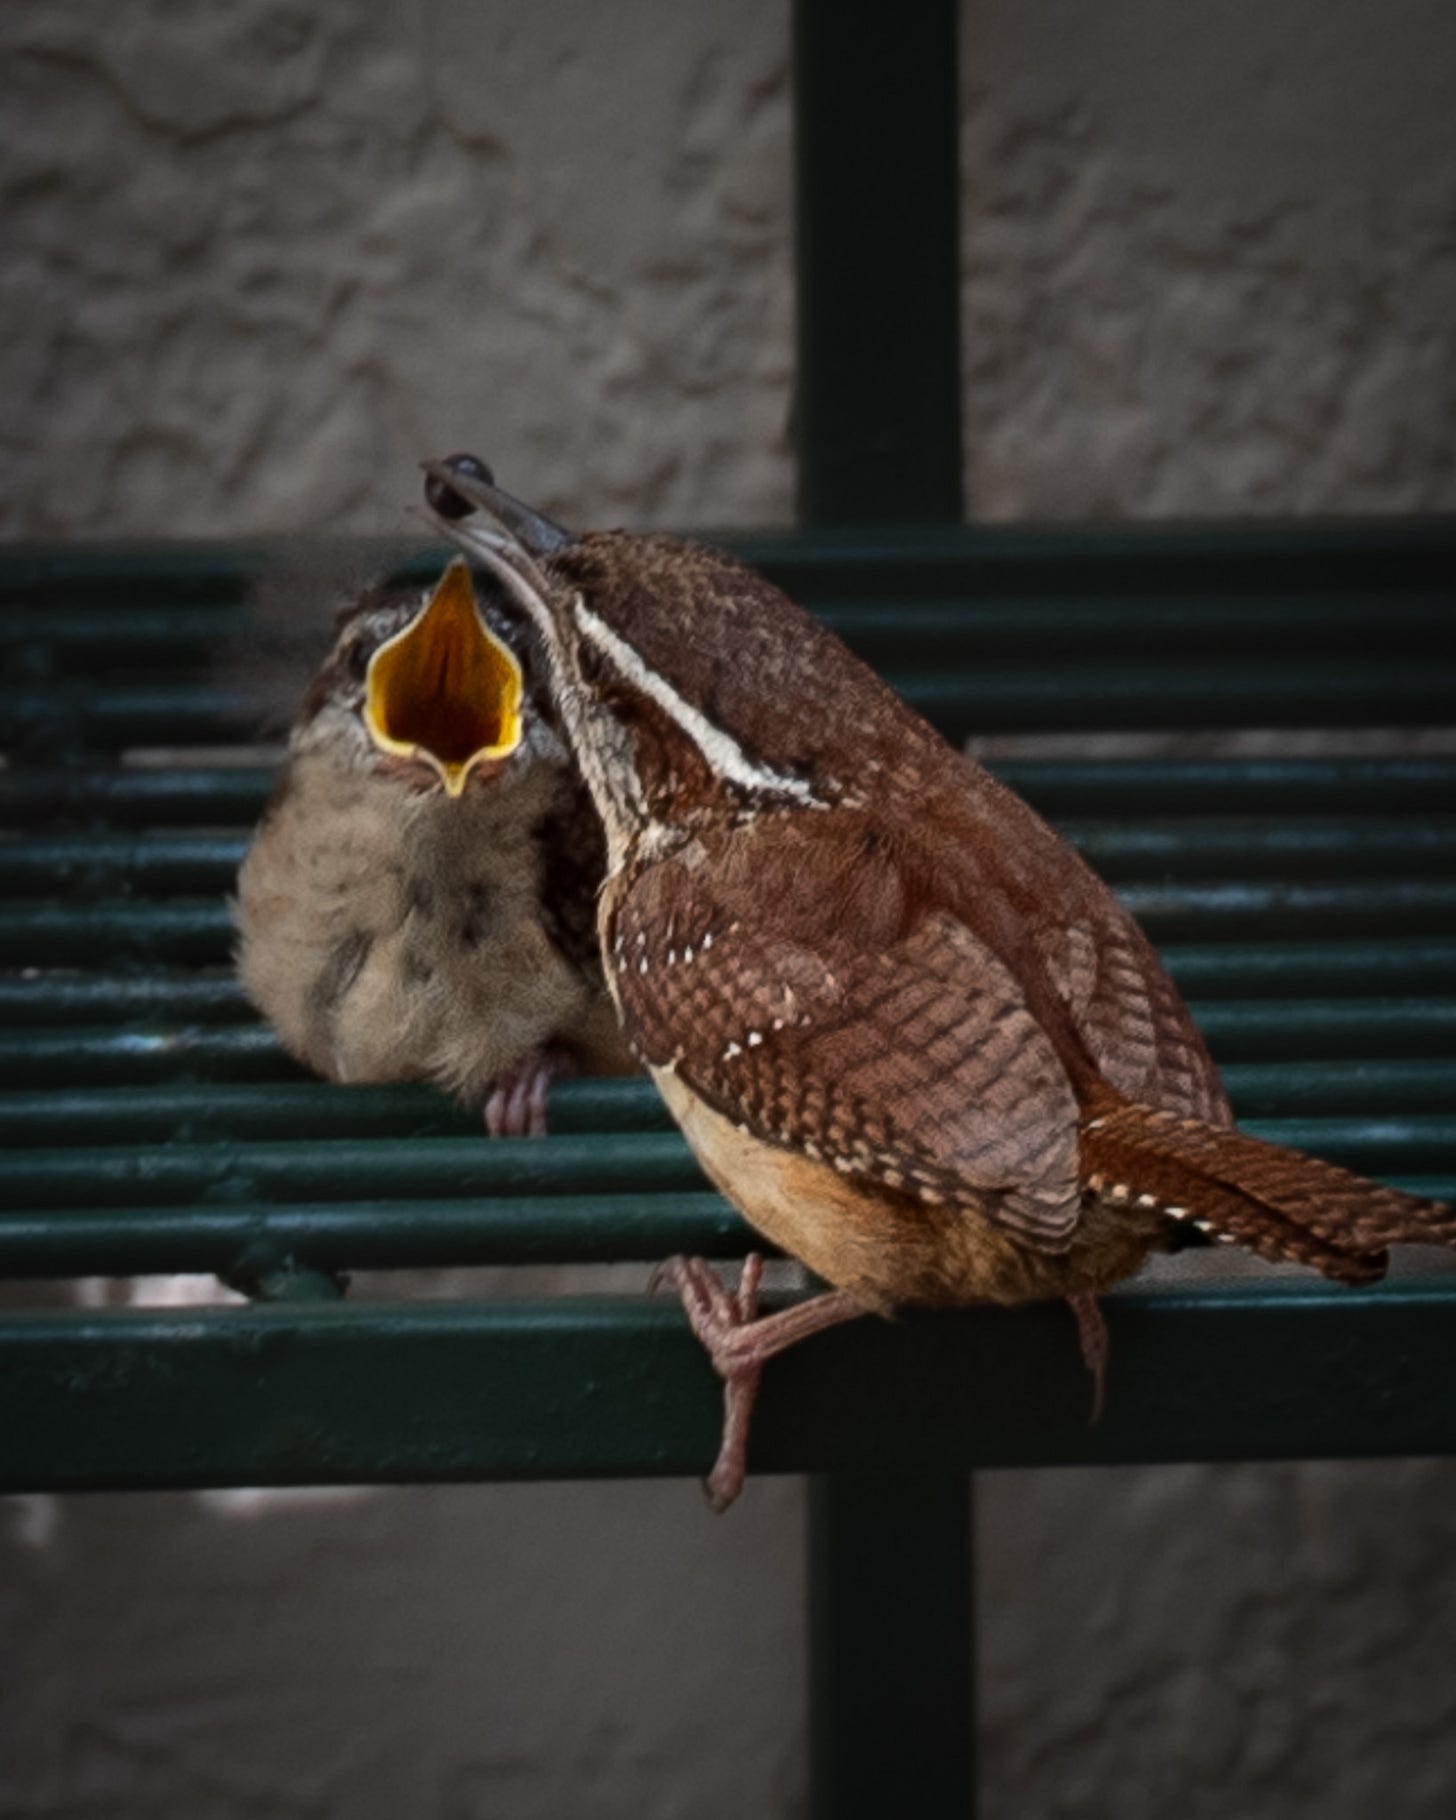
[538, 535]
[441, 496]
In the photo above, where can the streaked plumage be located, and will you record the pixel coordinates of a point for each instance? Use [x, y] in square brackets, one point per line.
[907, 1030]
[390, 930]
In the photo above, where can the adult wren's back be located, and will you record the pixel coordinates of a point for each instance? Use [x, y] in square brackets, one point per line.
[906, 1029]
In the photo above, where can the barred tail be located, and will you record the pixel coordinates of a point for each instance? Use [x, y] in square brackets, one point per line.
[1284, 1206]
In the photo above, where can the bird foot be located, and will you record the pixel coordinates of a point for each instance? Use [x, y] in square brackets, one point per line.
[720, 1318]
[740, 1341]
[517, 1103]
[1092, 1336]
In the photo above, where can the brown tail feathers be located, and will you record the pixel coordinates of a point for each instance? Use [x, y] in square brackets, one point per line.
[1282, 1205]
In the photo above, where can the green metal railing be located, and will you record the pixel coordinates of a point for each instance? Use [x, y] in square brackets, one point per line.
[148, 1124]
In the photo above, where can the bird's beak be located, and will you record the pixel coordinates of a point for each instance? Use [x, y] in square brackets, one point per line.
[461, 500]
[446, 689]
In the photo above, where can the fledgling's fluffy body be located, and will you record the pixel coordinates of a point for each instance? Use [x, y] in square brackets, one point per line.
[389, 930]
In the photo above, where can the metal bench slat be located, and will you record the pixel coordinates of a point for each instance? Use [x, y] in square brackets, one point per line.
[337, 1394]
[171, 1109]
[969, 629]
[1317, 691]
[614, 1162]
[233, 796]
[74, 865]
[1204, 970]
[199, 931]
[295, 1110]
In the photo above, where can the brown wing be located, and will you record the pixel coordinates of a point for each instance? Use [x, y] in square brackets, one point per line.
[910, 1061]
[1126, 1011]
[1131, 1016]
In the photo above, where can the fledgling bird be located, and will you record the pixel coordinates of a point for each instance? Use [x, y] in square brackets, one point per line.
[905, 1028]
[418, 902]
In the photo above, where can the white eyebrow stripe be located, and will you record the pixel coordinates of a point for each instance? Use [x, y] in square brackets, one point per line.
[721, 751]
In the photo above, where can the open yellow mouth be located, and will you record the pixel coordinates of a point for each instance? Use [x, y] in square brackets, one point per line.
[446, 690]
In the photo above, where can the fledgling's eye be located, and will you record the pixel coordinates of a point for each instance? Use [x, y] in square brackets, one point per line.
[357, 659]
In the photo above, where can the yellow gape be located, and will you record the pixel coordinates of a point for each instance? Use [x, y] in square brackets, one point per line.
[446, 689]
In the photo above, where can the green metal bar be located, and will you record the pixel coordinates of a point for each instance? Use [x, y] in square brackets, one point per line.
[1305, 1029]
[163, 864]
[1062, 697]
[883, 1739]
[819, 561]
[111, 797]
[1059, 788]
[877, 191]
[1334, 554]
[1306, 786]
[1255, 1030]
[1209, 847]
[1264, 1090]
[1292, 910]
[70, 935]
[1370, 968]
[1207, 971]
[154, 643]
[200, 932]
[243, 1240]
[341, 1169]
[329, 1394]
[194, 864]
[105, 640]
[299, 1109]
[210, 1110]
[984, 632]
[96, 998]
[63, 719]
[1377, 691]
[80, 1057]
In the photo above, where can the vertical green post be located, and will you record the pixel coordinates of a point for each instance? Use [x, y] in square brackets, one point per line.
[877, 194]
[891, 1683]
[878, 423]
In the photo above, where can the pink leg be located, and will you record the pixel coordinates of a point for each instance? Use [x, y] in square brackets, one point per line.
[1092, 1334]
[740, 1342]
[517, 1103]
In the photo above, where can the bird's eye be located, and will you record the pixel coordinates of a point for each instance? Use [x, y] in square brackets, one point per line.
[357, 659]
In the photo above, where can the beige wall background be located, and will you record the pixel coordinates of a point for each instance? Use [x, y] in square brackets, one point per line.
[258, 258]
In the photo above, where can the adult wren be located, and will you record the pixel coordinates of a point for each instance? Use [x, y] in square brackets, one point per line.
[905, 1028]
[418, 902]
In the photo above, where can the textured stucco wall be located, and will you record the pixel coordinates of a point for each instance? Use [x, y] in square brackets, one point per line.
[262, 256]
[257, 258]
[1211, 256]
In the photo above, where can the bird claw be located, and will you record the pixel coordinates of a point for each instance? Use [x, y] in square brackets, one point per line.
[516, 1106]
[720, 1319]
[716, 1314]
[1092, 1337]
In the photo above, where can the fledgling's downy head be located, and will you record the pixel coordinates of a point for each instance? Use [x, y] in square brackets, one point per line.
[422, 690]
[686, 682]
